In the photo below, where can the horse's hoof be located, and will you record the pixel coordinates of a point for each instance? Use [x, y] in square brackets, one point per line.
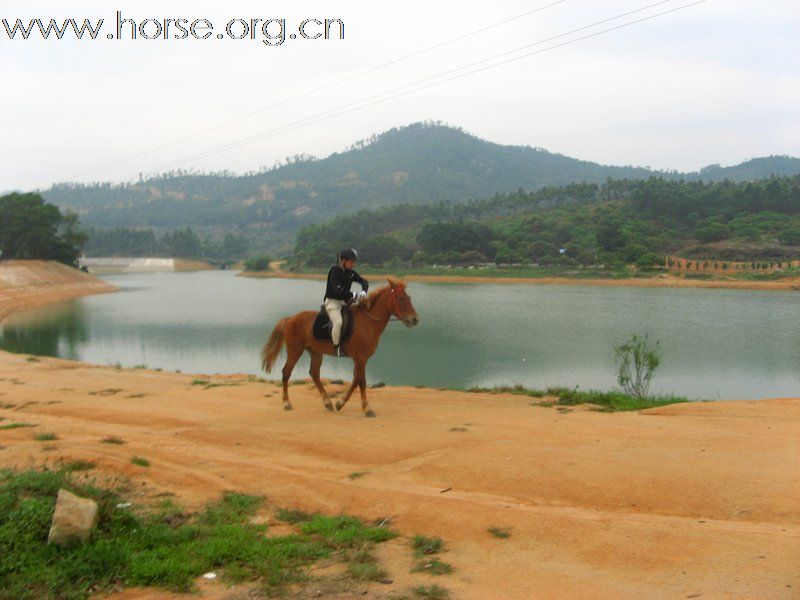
[329, 407]
[339, 406]
[287, 407]
[370, 414]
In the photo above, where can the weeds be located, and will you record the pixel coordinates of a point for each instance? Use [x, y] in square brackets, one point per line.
[424, 547]
[610, 401]
[113, 439]
[499, 532]
[142, 462]
[431, 592]
[293, 516]
[162, 547]
[46, 437]
[79, 465]
[16, 425]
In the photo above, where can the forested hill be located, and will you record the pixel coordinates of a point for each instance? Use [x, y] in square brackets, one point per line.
[618, 222]
[422, 163]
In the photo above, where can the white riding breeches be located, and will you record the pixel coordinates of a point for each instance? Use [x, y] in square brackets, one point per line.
[334, 310]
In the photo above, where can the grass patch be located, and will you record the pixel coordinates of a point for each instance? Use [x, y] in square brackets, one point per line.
[33, 359]
[46, 437]
[499, 532]
[357, 474]
[293, 517]
[112, 439]
[343, 532]
[434, 566]
[16, 425]
[206, 384]
[431, 592]
[142, 462]
[423, 548]
[161, 546]
[366, 571]
[424, 545]
[609, 401]
[79, 465]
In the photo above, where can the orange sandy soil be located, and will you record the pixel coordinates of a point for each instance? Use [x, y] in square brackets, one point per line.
[29, 283]
[659, 281]
[687, 501]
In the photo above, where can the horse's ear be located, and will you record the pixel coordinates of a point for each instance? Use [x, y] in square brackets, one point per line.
[392, 282]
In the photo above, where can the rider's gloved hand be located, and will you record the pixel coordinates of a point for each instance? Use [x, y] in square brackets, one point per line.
[361, 295]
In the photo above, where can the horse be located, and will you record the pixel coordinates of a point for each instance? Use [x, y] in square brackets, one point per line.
[370, 318]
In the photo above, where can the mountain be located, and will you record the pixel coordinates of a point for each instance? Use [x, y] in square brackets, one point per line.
[424, 163]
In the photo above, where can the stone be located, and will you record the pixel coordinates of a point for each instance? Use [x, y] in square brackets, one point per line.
[73, 520]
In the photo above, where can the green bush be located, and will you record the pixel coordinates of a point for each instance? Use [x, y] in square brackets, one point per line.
[258, 263]
[637, 360]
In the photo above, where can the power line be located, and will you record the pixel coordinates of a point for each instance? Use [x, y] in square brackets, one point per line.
[319, 89]
[376, 99]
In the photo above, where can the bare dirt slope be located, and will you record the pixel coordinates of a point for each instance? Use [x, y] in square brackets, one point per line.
[687, 501]
[28, 283]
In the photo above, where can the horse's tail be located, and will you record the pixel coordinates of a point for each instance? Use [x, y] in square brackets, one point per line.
[273, 347]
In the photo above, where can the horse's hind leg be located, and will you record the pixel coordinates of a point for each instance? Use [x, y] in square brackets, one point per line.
[293, 354]
[316, 363]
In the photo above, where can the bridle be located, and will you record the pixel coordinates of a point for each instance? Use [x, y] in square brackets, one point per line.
[391, 300]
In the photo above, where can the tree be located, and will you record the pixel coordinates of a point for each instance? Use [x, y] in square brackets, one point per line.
[32, 229]
[234, 246]
[637, 361]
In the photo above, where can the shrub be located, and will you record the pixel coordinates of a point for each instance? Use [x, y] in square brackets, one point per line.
[257, 263]
[637, 360]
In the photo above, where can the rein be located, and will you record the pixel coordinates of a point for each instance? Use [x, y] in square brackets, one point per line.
[391, 314]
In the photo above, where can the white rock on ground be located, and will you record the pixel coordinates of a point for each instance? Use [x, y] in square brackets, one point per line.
[73, 520]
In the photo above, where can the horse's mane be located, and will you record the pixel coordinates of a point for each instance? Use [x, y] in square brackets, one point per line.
[374, 294]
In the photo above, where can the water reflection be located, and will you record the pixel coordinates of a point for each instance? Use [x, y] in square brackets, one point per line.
[57, 331]
[715, 343]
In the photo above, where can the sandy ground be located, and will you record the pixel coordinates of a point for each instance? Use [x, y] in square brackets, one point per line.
[687, 501]
[660, 281]
[28, 283]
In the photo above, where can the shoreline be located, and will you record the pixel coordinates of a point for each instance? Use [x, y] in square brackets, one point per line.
[684, 519]
[661, 281]
[31, 283]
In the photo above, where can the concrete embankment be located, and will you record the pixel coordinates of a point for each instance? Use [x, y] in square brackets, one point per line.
[143, 265]
[29, 283]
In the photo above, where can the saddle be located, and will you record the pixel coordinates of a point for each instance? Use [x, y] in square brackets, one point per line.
[322, 325]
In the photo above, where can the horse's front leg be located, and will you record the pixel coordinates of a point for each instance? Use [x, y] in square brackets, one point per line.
[340, 403]
[361, 377]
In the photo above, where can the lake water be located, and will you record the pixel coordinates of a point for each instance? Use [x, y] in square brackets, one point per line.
[714, 343]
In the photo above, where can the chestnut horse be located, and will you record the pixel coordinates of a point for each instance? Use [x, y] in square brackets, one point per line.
[369, 319]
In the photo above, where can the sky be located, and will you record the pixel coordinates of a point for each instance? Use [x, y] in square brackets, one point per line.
[717, 82]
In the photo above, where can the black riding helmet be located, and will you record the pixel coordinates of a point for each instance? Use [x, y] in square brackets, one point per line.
[348, 254]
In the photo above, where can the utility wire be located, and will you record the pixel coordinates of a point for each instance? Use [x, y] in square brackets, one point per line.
[319, 89]
[376, 99]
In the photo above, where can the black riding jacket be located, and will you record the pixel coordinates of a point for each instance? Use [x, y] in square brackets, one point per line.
[339, 282]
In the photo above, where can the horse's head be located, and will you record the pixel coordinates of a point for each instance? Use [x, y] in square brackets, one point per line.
[400, 303]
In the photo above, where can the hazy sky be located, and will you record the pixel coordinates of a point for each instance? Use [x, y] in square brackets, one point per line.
[715, 83]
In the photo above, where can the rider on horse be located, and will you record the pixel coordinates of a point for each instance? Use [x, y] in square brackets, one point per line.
[338, 293]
